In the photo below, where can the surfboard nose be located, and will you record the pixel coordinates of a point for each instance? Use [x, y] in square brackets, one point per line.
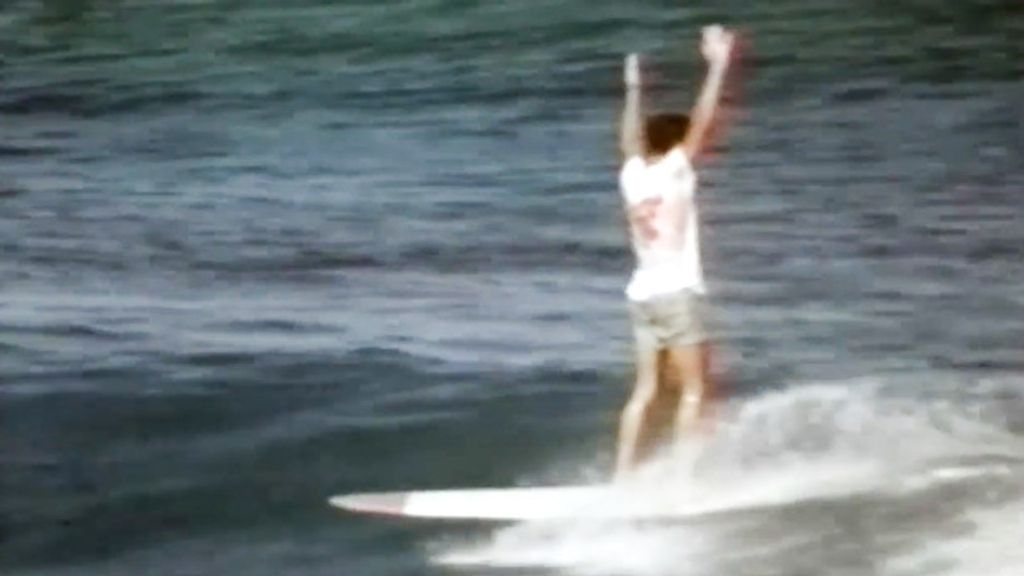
[378, 503]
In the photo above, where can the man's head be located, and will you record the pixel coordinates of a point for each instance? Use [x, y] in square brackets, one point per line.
[662, 132]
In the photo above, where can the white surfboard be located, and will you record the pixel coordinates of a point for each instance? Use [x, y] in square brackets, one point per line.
[626, 502]
[476, 503]
[539, 503]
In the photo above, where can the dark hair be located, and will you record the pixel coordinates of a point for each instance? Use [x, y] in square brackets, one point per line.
[663, 131]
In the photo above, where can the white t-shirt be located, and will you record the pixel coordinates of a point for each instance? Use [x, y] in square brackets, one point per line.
[662, 215]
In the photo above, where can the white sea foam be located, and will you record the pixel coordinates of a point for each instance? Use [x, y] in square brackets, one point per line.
[990, 545]
[800, 477]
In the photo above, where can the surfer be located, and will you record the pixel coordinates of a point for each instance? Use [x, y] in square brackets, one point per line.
[666, 292]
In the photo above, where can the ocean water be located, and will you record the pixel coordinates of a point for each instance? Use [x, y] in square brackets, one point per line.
[253, 254]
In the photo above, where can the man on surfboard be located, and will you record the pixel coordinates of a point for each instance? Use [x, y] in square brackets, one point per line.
[666, 291]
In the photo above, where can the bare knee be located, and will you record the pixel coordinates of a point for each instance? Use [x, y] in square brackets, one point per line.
[639, 403]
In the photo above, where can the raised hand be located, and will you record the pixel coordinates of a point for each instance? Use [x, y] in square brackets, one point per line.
[716, 43]
[716, 46]
[632, 71]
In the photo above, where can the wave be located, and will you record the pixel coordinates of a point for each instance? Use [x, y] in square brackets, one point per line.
[822, 478]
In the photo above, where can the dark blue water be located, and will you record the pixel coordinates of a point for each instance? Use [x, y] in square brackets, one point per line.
[255, 254]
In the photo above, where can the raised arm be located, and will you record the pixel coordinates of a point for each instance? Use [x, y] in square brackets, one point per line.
[716, 46]
[631, 131]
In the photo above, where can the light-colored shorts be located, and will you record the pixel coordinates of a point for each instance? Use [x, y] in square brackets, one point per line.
[673, 319]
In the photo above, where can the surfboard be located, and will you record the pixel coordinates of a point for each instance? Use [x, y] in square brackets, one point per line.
[626, 502]
[478, 503]
[537, 503]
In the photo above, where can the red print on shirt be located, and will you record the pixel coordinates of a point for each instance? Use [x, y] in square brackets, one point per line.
[642, 216]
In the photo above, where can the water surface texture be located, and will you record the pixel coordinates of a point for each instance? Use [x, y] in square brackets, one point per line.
[253, 254]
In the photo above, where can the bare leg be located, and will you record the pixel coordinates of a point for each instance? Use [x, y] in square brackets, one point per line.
[636, 413]
[689, 363]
